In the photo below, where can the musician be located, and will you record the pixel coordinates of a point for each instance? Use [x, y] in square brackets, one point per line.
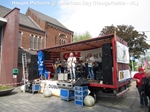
[90, 60]
[71, 66]
[57, 67]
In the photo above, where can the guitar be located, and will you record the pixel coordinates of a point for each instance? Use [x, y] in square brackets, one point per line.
[55, 66]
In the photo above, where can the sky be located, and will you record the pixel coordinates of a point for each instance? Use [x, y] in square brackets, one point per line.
[90, 15]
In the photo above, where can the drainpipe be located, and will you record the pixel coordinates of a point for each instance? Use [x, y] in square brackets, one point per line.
[45, 40]
[1, 49]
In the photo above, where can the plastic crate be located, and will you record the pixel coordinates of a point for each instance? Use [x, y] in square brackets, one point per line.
[66, 94]
[78, 102]
[81, 93]
[81, 88]
[80, 98]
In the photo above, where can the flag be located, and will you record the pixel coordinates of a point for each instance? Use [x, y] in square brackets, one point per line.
[145, 63]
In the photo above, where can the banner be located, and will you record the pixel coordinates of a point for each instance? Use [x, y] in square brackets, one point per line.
[96, 53]
[122, 53]
[41, 67]
[40, 63]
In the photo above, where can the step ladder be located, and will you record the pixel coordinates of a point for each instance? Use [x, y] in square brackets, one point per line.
[25, 68]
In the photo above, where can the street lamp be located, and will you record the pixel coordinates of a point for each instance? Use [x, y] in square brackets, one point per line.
[132, 58]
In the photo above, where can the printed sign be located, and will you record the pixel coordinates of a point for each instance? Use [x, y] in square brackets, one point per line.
[122, 53]
[124, 74]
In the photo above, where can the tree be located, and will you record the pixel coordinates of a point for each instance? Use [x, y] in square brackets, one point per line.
[84, 36]
[136, 41]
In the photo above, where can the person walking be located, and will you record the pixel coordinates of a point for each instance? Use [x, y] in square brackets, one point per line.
[138, 78]
[71, 65]
[146, 86]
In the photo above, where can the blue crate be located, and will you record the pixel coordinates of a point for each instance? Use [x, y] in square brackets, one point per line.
[78, 102]
[66, 94]
[80, 98]
[81, 88]
[67, 98]
[81, 93]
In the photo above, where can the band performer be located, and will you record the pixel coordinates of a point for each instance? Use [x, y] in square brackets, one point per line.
[57, 67]
[71, 66]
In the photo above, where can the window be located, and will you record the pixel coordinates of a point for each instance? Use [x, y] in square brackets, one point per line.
[62, 39]
[39, 43]
[64, 42]
[35, 42]
[19, 39]
[31, 41]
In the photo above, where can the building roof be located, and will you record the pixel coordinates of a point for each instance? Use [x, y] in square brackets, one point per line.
[48, 19]
[24, 20]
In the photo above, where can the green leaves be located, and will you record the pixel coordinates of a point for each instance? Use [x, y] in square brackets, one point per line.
[79, 37]
[136, 41]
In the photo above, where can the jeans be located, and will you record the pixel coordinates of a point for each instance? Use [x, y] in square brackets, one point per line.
[91, 73]
[143, 97]
[58, 70]
[72, 73]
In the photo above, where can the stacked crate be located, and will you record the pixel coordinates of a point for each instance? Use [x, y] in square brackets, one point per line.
[80, 92]
[66, 94]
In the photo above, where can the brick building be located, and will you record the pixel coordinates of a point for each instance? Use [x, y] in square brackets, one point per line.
[27, 33]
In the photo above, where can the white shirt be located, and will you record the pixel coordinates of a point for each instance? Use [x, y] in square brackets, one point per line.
[71, 61]
[90, 61]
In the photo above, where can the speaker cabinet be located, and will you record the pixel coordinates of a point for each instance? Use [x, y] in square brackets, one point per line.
[46, 55]
[82, 82]
[107, 77]
[99, 75]
[33, 74]
[106, 49]
[34, 58]
[33, 66]
[107, 63]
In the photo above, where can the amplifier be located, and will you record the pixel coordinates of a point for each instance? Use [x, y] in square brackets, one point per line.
[62, 76]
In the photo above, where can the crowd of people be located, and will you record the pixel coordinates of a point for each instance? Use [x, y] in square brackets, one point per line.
[142, 79]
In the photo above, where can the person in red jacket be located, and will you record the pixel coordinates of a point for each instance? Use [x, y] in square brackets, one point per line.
[138, 78]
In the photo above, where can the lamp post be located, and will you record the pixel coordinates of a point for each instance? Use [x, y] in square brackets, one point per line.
[132, 58]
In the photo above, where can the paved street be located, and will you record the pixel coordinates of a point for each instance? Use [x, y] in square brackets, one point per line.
[26, 102]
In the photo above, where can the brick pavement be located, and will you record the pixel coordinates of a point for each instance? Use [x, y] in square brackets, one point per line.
[27, 102]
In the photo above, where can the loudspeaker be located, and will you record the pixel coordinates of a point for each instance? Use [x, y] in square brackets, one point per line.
[46, 55]
[107, 77]
[107, 63]
[34, 58]
[33, 66]
[106, 49]
[99, 75]
[82, 82]
[33, 74]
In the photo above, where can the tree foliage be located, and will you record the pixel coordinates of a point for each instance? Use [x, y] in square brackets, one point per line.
[79, 37]
[136, 41]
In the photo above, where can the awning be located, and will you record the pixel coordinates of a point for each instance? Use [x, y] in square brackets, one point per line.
[81, 45]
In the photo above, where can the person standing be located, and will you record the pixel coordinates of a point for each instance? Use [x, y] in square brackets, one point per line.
[90, 61]
[57, 67]
[138, 78]
[146, 86]
[71, 65]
